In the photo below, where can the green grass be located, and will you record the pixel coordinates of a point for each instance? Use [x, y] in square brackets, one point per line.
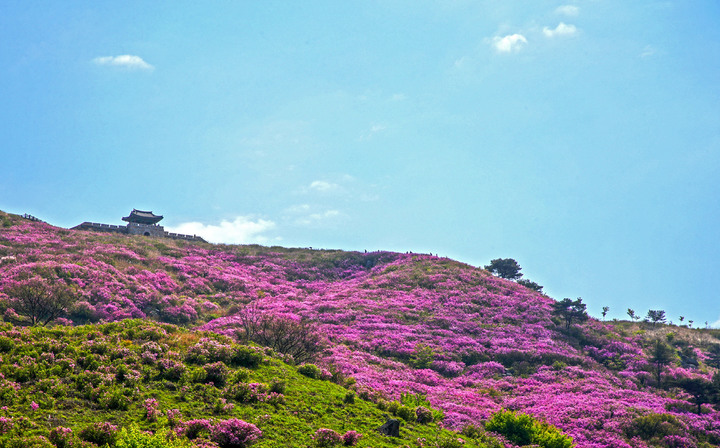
[77, 376]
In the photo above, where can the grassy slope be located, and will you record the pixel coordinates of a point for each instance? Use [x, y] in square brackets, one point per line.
[77, 397]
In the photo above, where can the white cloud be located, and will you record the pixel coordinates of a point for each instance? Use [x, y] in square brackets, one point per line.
[124, 61]
[648, 51]
[398, 97]
[561, 30]
[568, 10]
[509, 43]
[317, 218]
[372, 131]
[242, 230]
[322, 186]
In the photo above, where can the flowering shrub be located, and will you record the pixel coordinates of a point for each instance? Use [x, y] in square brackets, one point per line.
[152, 409]
[100, 433]
[193, 429]
[6, 424]
[248, 392]
[235, 433]
[351, 438]
[217, 373]
[324, 437]
[423, 415]
[61, 437]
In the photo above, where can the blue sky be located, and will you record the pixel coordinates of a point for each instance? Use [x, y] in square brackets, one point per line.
[581, 138]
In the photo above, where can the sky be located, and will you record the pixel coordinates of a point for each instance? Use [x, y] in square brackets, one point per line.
[581, 138]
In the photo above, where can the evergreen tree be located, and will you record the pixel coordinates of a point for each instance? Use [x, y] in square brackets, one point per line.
[505, 268]
[571, 311]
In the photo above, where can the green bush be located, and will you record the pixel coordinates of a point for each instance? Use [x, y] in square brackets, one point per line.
[278, 386]
[245, 356]
[310, 371]
[654, 425]
[135, 438]
[406, 413]
[114, 399]
[100, 434]
[522, 429]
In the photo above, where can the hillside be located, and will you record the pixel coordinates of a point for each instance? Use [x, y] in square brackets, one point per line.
[473, 344]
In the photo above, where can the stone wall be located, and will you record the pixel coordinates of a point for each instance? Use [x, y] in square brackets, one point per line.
[137, 229]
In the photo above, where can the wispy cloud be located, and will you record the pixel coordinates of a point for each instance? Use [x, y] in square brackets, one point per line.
[568, 10]
[318, 218]
[398, 97]
[323, 186]
[374, 129]
[243, 230]
[509, 43]
[124, 61]
[648, 51]
[561, 30]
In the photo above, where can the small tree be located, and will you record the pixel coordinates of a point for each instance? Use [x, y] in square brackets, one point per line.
[702, 390]
[505, 268]
[661, 355]
[571, 311]
[36, 302]
[633, 316]
[530, 285]
[298, 338]
[655, 316]
[605, 311]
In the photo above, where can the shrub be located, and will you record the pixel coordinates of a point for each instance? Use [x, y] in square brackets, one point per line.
[170, 369]
[327, 438]
[296, 338]
[235, 433]
[278, 387]
[193, 429]
[28, 442]
[61, 437]
[209, 350]
[310, 371]
[393, 406]
[246, 356]
[217, 373]
[349, 397]
[351, 438]
[522, 429]
[248, 392]
[423, 415]
[654, 425]
[100, 433]
[135, 438]
[449, 441]
[114, 399]
[174, 417]
[152, 410]
[406, 413]
[239, 376]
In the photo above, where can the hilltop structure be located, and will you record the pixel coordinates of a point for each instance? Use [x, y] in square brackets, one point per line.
[139, 222]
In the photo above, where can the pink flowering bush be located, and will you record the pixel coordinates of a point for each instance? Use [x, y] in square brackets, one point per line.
[325, 437]
[351, 438]
[61, 437]
[234, 433]
[152, 409]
